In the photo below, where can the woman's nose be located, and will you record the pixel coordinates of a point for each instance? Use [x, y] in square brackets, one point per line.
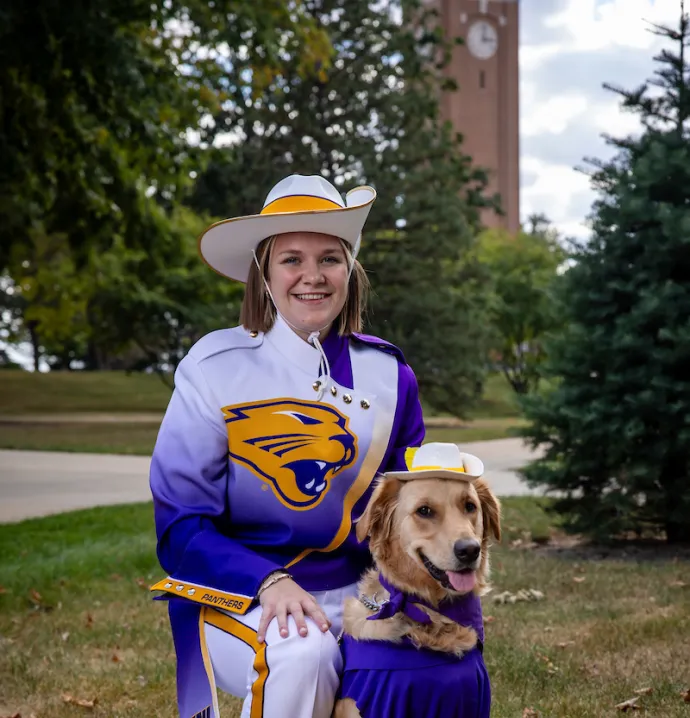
[313, 274]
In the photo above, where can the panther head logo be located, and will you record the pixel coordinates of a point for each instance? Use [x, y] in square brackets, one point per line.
[296, 447]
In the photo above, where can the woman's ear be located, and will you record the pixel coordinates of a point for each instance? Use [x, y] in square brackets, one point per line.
[491, 509]
[377, 519]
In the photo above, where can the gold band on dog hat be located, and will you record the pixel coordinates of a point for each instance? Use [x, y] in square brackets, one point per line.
[298, 203]
[437, 460]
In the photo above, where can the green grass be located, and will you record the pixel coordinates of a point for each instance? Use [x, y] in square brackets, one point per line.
[60, 392]
[88, 438]
[75, 618]
[139, 438]
[113, 394]
[57, 392]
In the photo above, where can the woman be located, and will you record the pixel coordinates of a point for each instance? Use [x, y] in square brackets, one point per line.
[266, 456]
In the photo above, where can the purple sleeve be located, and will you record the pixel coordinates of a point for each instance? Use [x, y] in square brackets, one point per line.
[408, 425]
[189, 480]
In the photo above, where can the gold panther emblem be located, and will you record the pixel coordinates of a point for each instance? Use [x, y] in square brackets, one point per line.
[296, 447]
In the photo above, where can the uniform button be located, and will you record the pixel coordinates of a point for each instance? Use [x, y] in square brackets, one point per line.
[168, 585]
[364, 404]
[316, 385]
[347, 398]
[253, 335]
[179, 587]
[334, 391]
[191, 592]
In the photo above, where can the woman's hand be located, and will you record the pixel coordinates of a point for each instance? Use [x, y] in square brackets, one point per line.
[286, 597]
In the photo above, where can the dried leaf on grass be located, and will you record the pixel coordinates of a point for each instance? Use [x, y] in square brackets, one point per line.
[524, 594]
[489, 619]
[3, 590]
[678, 584]
[81, 702]
[89, 620]
[565, 644]
[629, 705]
[685, 695]
[644, 691]
[579, 579]
[530, 713]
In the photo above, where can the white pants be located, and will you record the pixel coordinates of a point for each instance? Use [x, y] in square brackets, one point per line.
[293, 677]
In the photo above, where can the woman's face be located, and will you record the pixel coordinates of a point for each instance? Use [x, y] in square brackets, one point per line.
[308, 275]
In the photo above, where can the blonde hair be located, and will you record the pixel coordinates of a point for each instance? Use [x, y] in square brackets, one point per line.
[258, 313]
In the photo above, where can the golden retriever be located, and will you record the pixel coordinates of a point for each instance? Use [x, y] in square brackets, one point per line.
[429, 538]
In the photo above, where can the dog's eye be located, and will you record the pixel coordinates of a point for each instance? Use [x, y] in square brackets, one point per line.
[425, 512]
[470, 507]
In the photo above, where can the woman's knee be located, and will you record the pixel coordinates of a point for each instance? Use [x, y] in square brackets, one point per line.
[311, 653]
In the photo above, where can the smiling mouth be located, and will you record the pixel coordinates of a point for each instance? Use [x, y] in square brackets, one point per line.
[440, 575]
[312, 297]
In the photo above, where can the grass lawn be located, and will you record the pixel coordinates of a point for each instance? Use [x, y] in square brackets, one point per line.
[124, 438]
[77, 623]
[45, 395]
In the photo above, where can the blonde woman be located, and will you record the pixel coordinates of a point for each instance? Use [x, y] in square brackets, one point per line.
[266, 457]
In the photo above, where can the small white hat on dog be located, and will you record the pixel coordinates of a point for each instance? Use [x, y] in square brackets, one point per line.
[437, 460]
[298, 203]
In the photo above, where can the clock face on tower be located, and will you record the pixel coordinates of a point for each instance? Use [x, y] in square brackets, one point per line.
[482, 39]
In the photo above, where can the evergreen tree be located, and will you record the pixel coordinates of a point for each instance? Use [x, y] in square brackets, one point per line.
[616, 428]
[373, 118]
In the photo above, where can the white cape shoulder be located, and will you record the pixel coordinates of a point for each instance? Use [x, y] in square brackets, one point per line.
[224, 340]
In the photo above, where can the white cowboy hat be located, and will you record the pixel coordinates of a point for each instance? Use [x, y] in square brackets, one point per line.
[298, 203]
[439, 461]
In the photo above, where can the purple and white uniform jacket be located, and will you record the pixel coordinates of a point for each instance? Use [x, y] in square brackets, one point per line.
[255, 468]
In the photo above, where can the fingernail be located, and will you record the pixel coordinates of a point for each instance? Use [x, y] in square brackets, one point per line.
[324, 626]
[303, 631]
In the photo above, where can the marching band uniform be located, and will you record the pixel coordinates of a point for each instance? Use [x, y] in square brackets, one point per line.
[264, 460]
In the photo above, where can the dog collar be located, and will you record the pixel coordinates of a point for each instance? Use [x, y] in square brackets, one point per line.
[465, 611]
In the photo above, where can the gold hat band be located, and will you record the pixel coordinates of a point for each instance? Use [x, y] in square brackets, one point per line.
[299, 203]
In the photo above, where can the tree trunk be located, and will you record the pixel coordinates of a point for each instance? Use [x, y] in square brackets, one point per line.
[35, 345]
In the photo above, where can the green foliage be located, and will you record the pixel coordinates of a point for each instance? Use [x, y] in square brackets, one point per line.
[98, 104]
[616, 427]
[524, 270]
[373, 118]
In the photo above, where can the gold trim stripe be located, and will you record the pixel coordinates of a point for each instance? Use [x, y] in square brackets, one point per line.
[299, 203]
[206, 656]
[236, 603]
[246, 635]
[367, 473]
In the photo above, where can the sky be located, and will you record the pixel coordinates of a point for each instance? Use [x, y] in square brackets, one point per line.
[568, 49]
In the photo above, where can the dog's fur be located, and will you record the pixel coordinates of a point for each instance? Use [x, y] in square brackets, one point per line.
[397, 535]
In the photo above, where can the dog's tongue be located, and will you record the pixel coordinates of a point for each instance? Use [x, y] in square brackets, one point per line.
[462, 582]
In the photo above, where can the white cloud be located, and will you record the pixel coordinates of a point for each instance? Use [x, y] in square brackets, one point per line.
[570, 48]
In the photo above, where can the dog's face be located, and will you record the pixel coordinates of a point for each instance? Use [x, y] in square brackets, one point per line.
[431, 536]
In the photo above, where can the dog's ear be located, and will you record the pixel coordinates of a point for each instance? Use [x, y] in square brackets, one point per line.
[377, 519]
[491, 509]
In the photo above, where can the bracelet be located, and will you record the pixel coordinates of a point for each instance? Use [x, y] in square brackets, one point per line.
[271, 579]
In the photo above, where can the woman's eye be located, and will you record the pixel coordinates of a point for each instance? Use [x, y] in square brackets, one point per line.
[425, 512]
[470, 507]
[290, 260]
[331, 260]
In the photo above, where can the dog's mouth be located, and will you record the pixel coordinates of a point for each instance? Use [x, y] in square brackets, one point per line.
[461, 581]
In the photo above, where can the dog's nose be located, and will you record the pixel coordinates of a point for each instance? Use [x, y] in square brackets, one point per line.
[466, 550]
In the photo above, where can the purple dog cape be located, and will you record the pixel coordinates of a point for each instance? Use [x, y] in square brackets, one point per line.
[388, 680]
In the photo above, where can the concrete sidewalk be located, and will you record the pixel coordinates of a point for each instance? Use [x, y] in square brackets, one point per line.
[38, 483]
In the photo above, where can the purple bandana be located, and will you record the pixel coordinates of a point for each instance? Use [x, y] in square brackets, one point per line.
[465, 611]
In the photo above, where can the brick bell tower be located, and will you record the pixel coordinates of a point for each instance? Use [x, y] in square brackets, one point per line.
[486, 107]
